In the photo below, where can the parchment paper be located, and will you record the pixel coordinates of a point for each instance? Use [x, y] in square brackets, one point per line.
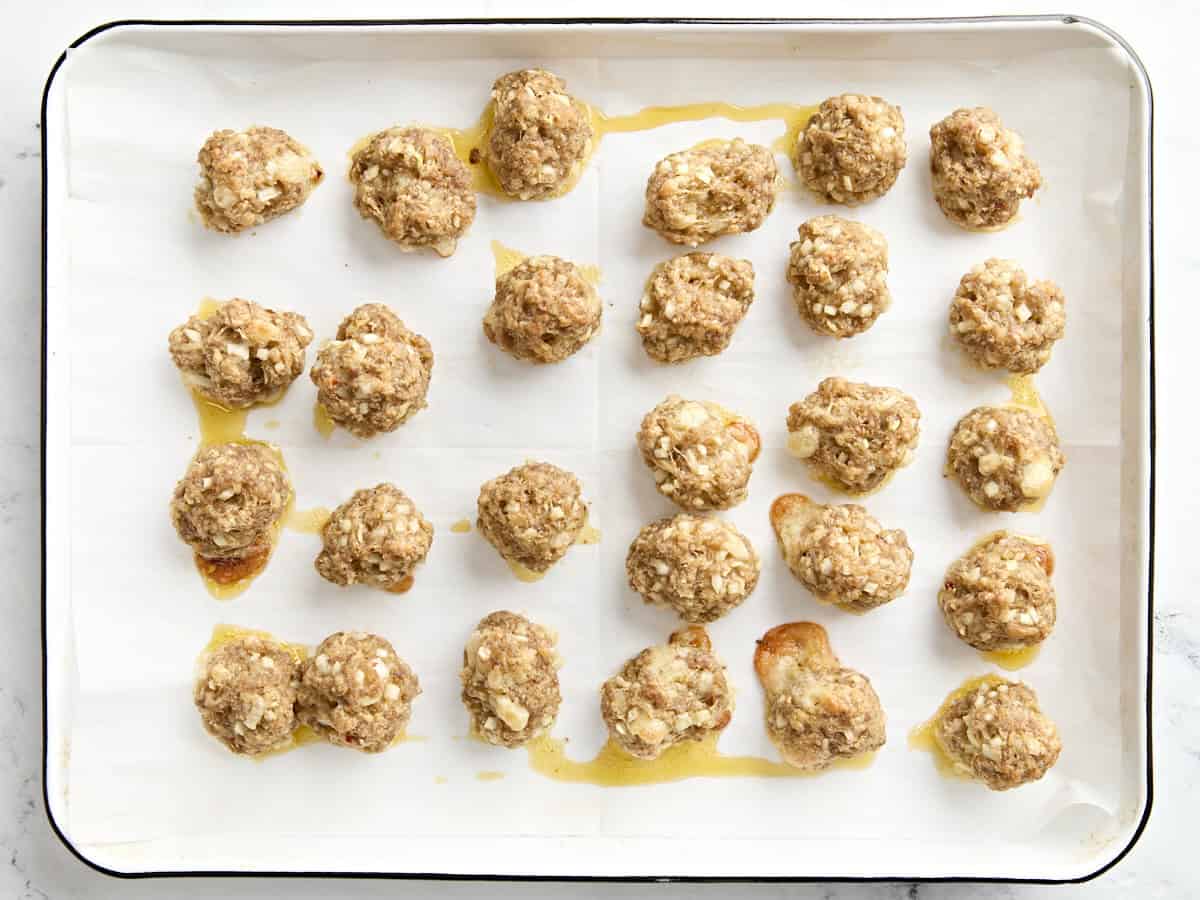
[140, 766]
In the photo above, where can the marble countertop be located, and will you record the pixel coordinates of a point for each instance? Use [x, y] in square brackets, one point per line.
[32, 862]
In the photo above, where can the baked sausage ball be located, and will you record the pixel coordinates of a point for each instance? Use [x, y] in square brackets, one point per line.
[544, 310]
[852, 149]
[980, 170]
[417, 191]
[693, 304]
[666, 695]
[1005, 458]
[716, 188]
[510, 679]
[700, 567]
[377, 537]
[241, 354]
[245, 692]
[229, 499]
[540, 138]
[817, 710]
[532, 514]
[356, 692]
[995, 732]
[841, 553]
[250, 177]
[998, 596]
[854, 436]
[838, 273]
[1005, 322]
[375, 376]
[701, 454]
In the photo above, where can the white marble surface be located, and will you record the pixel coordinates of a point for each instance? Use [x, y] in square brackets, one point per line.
[34, 865]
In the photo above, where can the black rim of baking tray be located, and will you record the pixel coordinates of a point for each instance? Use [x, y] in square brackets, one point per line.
[1138, 66]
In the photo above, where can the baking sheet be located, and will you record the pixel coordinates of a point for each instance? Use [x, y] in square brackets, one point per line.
[141, 773]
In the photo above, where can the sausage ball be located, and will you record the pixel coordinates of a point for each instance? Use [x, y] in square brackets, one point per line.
[838, 273]
[980, 170]
[701, 454]
[995, 732]
[375, 376]
[377, 537]
[854, 436]
[418, 192]
[852, 149]
[245, 692]
[544, 310]
[1005, 322]
[716, 188]
[1005, 458]
[510, 679]
[250, 177]
[667, 695]
[532, 514]
[841, 553]
[693, 304]
[229, 500]
[818, 711]
[540, 138]
[700, 567]
[241, 354]
[356, 692]
[998, 596]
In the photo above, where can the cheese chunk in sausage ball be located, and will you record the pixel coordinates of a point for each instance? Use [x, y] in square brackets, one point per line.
[838, 273]
[700, 567]
[693, 304]
[377, 538]
[998, 596]
[667, 695]
[1005, 321]
[416, 190]
[540, 137]
[1005, 458]
[241, 354]
[714, 189]
[841, 553]
[375, 376]
[229, 501]
[852, 149]
[246, 692]
[700, 453]
[355, 692]
[544, 310]
[980, 170]
[250, 177]
[995, 732]
[510, 679]
[854, 436]
[817, 710]
[532, 514]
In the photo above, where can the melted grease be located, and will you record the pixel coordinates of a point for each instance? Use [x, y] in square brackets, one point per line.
[589, 534]
[271, 424]
[218, 425]
[468, 143]
[612, 767]
[489, 776]
[924, 738]
[1012, 660]
[462, 526]
[508, 259]
[403, 587]
[524, 574]
[322, 422]
[223, 634]
[307, 521]
[1025, 395]
[441, 779]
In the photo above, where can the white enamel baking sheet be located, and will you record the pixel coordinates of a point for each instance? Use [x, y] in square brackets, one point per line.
[133, 782]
